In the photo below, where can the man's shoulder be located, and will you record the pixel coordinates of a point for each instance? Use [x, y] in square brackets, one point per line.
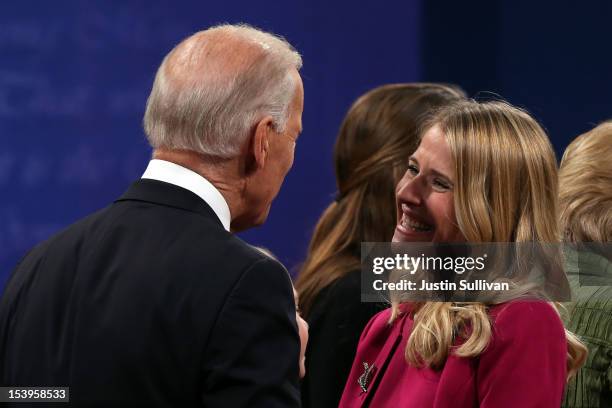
[149, 241]
[70, 233]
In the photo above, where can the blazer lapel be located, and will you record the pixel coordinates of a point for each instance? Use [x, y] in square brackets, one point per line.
[382, 361]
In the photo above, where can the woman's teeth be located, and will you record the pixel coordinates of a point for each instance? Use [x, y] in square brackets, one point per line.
[410, 223]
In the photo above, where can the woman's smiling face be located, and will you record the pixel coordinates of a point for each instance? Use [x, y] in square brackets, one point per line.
[424, 196]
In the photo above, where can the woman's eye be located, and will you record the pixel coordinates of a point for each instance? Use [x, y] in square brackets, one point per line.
[412, 169]
[441, 185]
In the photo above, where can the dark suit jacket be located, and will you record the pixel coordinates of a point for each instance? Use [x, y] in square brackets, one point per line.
[151, 302]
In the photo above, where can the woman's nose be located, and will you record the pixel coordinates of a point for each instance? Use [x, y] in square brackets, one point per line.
[410, 190]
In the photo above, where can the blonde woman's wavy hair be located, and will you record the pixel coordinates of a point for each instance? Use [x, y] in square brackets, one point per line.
[505, 191]
[377, 135]
[585, 187]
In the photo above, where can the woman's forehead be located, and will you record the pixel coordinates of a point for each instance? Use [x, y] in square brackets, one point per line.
[434, 152]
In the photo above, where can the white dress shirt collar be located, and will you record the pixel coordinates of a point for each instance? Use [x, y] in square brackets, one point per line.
[180, 176]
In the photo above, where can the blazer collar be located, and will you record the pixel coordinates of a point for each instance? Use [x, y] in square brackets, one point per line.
[170, 195]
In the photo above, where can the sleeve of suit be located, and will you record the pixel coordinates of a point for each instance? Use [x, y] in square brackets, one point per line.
[252, 357]
[524, 365]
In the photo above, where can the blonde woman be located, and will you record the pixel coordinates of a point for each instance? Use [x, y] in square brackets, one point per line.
[483, 172]
[585, 196]
[377, 135]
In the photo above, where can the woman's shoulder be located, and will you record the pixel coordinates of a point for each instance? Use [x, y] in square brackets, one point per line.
[524, 363]
[348, 285]
[524, 313]
[381, 327]
[342, 298]
[380, 321]
[344, 285]
[533, 320]
[520, 306]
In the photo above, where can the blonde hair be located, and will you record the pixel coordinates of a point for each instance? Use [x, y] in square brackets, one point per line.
[585, 181]
[505, 191]
[377, 135]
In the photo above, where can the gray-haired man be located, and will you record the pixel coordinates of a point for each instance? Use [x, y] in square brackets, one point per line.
[152, 300]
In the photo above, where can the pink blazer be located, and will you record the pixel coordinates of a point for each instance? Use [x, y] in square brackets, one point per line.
[523, 366]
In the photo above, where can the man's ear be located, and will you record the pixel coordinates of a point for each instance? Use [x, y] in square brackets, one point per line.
[261, 141]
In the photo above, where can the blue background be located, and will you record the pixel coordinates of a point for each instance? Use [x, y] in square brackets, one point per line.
[75, 75]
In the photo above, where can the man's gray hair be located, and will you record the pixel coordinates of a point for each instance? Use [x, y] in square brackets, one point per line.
[215, 86]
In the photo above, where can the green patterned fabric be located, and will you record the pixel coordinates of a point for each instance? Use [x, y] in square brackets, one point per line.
[590, 317]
